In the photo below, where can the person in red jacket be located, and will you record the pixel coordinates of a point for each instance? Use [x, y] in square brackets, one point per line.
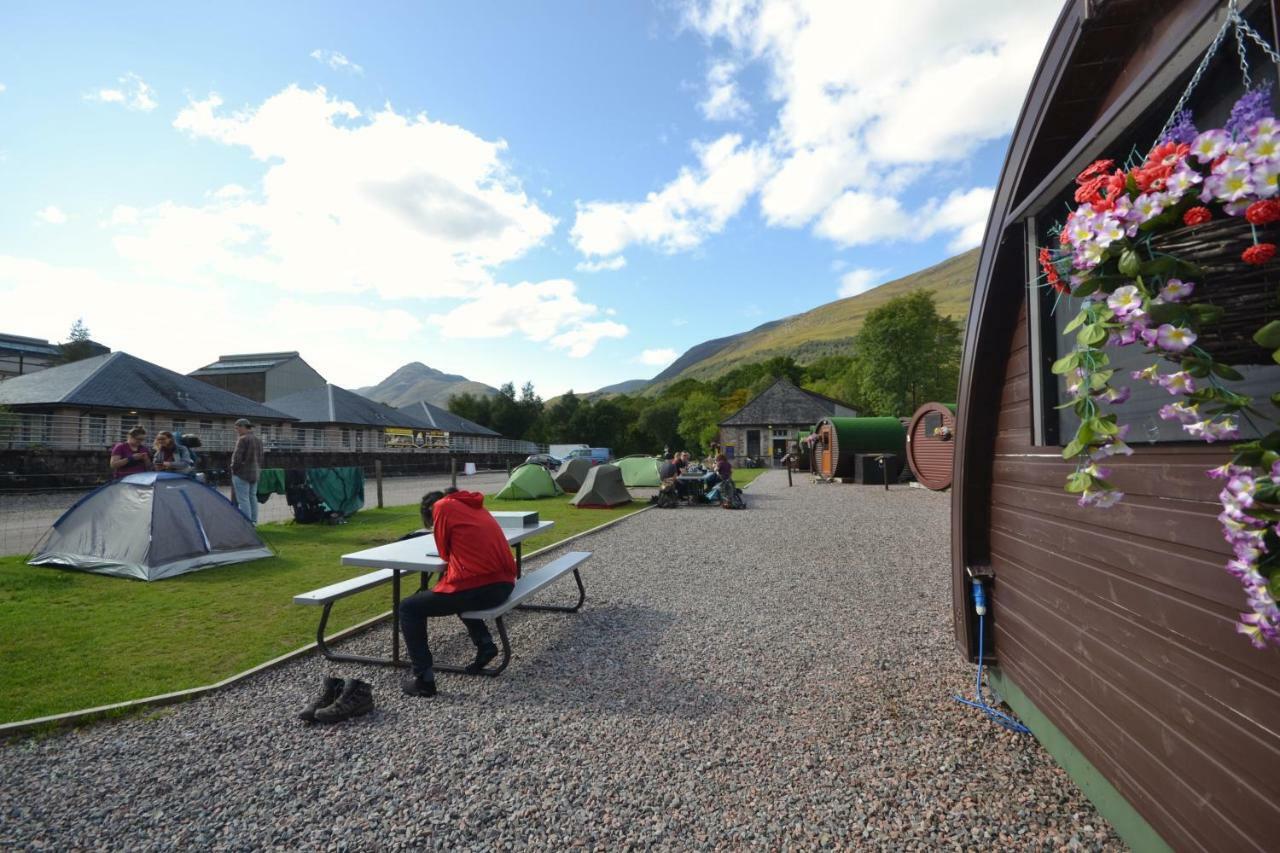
[481, 573]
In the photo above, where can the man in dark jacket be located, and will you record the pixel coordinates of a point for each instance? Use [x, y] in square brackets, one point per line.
[246, 463]
[481, 573]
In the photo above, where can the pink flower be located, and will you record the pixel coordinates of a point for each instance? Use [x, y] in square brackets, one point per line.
[1175, 290]
[1174, 338]
[1178, 383]
[1125, 300]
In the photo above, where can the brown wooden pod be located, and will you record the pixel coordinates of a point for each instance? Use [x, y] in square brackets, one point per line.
[931, 442]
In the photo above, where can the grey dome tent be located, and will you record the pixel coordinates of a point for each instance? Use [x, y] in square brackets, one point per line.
[150, 526]
[603, 488]
[573, 473]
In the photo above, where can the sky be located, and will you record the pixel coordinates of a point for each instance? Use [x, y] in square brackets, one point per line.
[568, 193]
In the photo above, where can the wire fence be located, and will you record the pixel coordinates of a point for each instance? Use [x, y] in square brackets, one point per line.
[25, 516]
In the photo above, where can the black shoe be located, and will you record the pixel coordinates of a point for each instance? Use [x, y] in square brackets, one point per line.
[417, 686]
[484, 654]
[356, 699]
[328, 692]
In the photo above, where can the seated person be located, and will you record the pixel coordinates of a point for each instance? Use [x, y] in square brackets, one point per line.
[130, 457]
[481, 573]
[670, 470]
[724, 475]
[171, 456]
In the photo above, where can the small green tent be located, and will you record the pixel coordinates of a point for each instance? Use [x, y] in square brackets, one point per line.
[603, 488]
[640, 471]
[573, 473]
[527, 483]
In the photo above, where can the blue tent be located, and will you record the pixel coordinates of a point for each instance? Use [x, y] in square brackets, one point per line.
[150, 526]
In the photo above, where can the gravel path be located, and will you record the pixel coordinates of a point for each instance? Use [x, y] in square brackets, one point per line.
[775, 678]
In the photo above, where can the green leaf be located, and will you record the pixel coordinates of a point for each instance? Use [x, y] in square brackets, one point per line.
[1162, 266]
[1275, 356]
[1205, 313]
[1130, 264]
[1269, 335]
[1067, 363]
[1168, 312]
[1075, 448]
[1078, 482]
[1078, 321]
[1087, 287]
[1227, 372]
[1091, 335]
[1275, 399]
[1196, 366]
[1270, 441]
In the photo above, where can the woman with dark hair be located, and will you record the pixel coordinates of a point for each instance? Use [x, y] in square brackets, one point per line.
[172, 456]
[481, 573]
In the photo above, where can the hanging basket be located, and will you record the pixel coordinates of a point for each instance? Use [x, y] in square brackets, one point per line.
[1247, 293]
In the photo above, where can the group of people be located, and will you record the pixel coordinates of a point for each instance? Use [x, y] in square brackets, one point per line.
[673, 467]
[171, 454]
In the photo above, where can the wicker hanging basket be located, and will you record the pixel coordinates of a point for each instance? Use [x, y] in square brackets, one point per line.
[1247, 293]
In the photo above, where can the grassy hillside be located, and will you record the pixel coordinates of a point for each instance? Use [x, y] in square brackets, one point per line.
[831, 328]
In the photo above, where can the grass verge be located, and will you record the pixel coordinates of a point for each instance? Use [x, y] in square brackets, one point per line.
[72, 640]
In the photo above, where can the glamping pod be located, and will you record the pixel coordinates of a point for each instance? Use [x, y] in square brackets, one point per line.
[842, 440]
[931, 444]
[1115, 633]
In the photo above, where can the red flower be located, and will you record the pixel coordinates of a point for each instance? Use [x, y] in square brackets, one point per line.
[1098, 168]
[1167, 156]
[1197, 216]
[1091, 191]
[1263, 212]
[1051, 273]
[1259, 254]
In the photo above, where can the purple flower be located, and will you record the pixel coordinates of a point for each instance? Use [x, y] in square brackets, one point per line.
[1210, 145]
[1253, 106]
[1174, 338]
[1181, 412]
[1178, 383]
[1183, 130]
[1116, 396]
[1175, 290]
[1125, 300]
[1275, 471]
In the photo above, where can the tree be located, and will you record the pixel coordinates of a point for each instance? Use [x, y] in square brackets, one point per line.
[699, 421]
[906, 355]
[473, 407]
[78, 345]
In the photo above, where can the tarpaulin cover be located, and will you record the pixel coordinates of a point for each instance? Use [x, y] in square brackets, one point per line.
[341, 489]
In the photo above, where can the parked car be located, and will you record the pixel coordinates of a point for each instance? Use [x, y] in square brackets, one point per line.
[546, 460]
[596, 455]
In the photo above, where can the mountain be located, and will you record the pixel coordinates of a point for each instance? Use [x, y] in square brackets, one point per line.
[827, 329]
[626, 387]
[415, 382]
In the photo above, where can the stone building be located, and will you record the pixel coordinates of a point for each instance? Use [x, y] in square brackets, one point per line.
[766, 427]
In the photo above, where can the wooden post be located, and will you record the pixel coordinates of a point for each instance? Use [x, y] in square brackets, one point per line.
[453, 470]
[377, 474]
[789, 467]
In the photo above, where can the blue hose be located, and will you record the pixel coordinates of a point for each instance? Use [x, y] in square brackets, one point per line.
[996, 716]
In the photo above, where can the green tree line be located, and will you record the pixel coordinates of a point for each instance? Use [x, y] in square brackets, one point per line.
[905, 355]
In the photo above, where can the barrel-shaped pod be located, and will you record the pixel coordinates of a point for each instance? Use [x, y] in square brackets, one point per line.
[844, 438]
[931, 444]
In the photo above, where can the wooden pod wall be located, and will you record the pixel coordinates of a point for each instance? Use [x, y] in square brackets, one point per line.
[841, 439]
[931, 444]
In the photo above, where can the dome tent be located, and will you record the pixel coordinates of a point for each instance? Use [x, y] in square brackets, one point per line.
[602, 489]
[150, 526]
[529, 482]
[640, 471]
[573, 473]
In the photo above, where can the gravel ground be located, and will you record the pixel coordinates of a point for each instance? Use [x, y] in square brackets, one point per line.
[24, 517]
[773, 679]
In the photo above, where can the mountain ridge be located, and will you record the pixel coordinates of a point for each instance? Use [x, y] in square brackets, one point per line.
[415, 382]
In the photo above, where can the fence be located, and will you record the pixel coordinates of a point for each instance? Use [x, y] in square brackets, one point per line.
[25, 430]
[25, 516]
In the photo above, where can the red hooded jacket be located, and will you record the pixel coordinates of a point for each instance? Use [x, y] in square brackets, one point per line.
[469, 538]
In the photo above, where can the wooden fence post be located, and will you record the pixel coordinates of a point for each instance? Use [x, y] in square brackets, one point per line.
[377, 473]
[453, 470]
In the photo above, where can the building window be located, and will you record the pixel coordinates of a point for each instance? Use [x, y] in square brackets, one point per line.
[359, 440]
[346, 438]
[97, 431]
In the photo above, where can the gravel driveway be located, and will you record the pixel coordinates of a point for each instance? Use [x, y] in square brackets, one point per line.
[775, 678]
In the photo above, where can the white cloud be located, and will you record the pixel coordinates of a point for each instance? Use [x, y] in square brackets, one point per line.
[873, 99]
[657, 357]
[682, 214]
[859, 281]
[51, 215]
[3, 87]
[546, 311]
[396, 204]
[336, 61]
[723, 103]
[607, 264]
[121, 214]
[394, 324]
[133, 92]
[966, 214]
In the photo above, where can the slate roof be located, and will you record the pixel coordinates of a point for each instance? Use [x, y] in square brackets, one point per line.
[254, 362]
[435, 417]
[122, 381]
[18, 343]
[784, 403]
[333, 405]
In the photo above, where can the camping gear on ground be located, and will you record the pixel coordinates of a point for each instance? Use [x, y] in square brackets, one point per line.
[573, 473]
[150, 526]
[602, 488]
[341, 489]
[271, 481]
[529, 482]
[640, 471]
[840, 440]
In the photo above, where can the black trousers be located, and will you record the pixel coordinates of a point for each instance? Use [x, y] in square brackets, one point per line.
[421, 606]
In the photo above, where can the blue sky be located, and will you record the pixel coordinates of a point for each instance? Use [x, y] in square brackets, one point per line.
[570, 193]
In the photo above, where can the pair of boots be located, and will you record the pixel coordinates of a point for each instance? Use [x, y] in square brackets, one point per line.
[339, 700]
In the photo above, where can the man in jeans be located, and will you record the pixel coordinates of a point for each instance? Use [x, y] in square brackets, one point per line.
[481, 573]
[246, 463]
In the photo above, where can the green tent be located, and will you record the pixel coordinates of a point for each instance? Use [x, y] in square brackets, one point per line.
[640, 471]
[529, 482]
[603, 488]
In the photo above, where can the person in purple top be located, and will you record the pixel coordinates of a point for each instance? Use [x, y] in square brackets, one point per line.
[131, 457]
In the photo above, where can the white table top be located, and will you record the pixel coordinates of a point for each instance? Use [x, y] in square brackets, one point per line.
[419, 554]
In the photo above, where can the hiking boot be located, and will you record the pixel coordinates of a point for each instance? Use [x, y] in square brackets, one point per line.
[356, 699]
[418, 686]
[328, 692]
[484, 653]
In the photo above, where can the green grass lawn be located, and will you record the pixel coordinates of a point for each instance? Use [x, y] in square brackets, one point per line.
[71, 640]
